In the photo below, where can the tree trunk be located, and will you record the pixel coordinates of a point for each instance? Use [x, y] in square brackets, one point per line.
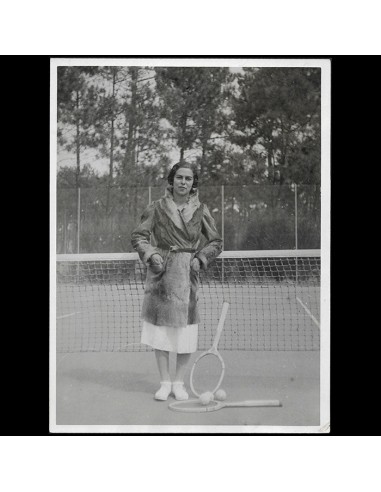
[203, 157]
[78, 156]
[271, 165]
[78, 145]
[183, 129]
[111, 172]
[283, 154]
[316, 201]
[129, 162]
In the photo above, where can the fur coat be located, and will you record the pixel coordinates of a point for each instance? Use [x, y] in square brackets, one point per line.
[171, 295]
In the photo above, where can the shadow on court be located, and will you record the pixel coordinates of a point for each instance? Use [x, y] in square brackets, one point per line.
[116, 389]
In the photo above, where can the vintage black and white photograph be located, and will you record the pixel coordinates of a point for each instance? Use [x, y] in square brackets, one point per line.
[190, 233]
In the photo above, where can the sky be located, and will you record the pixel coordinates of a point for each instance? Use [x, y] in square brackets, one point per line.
[89, 156]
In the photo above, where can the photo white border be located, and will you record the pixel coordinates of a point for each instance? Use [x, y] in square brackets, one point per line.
[325, 65]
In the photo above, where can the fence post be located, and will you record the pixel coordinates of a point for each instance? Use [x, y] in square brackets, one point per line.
[296, 232]
[149, 195]
[64, 229]
[223, 213]
[223, 227]
[296, 216]
[78, 219]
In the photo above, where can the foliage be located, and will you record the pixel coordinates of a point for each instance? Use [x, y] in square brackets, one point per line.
[278, 110]
[193, 103]
[245, 130]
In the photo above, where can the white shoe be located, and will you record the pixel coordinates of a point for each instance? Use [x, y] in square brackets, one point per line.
[164, 391]
[179, 391]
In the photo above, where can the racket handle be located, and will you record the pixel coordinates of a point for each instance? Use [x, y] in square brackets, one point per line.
[225, 307]
[255, 403]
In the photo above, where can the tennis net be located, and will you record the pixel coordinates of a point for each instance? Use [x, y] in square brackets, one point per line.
[274, 299]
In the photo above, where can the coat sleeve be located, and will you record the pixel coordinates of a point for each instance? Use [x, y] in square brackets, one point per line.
[213, 246]
[140, 237]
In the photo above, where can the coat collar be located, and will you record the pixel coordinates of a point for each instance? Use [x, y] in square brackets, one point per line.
[187, 210]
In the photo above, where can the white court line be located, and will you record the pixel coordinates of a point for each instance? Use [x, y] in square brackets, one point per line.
[309, 312]
[66, 315]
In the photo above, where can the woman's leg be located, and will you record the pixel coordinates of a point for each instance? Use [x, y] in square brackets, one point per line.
[178, 384]
[181, 366]
[162, 359]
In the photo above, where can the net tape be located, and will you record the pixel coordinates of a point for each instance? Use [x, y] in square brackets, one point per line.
[274, 299]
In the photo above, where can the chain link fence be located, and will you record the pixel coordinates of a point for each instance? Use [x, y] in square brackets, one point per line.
[255, 217]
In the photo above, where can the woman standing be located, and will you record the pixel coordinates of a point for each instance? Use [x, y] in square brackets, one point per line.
[176, 224]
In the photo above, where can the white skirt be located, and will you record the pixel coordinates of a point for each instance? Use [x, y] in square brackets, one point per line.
[180, 340]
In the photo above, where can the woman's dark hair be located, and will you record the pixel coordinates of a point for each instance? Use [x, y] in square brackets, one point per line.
[179, 165]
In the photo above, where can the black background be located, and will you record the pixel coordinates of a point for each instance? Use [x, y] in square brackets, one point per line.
[355, 160]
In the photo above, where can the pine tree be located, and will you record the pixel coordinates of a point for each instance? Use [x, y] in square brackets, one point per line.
[192, 100]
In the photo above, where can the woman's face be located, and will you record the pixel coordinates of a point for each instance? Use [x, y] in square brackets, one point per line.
[182, 182]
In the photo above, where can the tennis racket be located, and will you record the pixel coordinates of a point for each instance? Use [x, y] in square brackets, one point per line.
[194, 406]
[209, 367]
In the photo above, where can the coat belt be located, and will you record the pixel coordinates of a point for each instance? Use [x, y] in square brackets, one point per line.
[177, 249]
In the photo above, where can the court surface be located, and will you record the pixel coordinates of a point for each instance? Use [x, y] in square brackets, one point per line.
[116, 389]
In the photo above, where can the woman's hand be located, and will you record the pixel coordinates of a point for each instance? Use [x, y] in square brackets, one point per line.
[195, 265]
[156, 262]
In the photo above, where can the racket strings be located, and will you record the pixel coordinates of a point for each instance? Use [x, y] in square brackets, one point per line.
[206, 374]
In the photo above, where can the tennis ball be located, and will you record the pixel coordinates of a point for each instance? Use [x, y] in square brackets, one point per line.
[206, 398]
[220, 395]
